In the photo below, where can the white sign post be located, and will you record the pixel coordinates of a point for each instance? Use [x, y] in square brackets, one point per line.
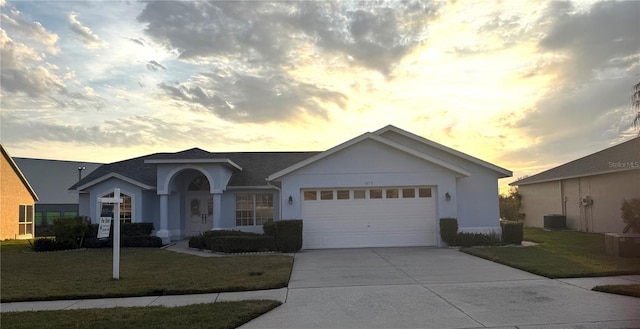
[116, 200]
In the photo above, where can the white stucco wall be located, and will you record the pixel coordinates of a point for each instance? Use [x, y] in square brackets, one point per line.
[369, 164]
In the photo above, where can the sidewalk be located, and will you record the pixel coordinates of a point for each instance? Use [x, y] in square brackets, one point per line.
[169, 301]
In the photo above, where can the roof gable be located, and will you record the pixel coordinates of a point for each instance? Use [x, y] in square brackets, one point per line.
[622, 157]
[368, 136]
[16, 169]
[390, 128]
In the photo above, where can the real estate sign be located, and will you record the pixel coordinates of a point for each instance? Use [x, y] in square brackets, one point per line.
[106, 215]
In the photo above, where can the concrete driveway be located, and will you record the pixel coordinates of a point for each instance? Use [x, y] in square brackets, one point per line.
[436, 288]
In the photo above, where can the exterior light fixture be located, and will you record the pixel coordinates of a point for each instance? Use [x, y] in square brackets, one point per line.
[290, 200]
[447, 196]
[80, 169]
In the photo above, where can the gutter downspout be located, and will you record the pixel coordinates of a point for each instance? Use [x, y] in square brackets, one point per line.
[279, 198]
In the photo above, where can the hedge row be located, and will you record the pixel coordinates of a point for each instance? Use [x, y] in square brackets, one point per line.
[512, 233]
[284, 236]
[78, 232]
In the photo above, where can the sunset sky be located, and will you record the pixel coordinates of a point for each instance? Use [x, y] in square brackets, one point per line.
[524, 85]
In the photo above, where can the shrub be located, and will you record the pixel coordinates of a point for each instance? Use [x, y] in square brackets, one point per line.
[70, 231]
[512, 232]
[234, 244]
[464, 239]
[136, 229]
[287, 233]
[96, 243]
[630, 213]
[140, 241]
[449, 230]
[210, 235]
[269, 228]
[197, 242]
[44, 244]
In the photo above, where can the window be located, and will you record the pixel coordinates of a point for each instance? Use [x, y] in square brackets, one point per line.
[424, 192]
[199, 183]
[254, 209]
[408, 193]
[264, 208]
[359, 194]
[310, 195]
[25, 219]
[392, 193]
[343, 194]
[244, 209]
[375, 194]
[326, 195]
[70, 214]
[51, 216]
[126, 209]
[38, 217]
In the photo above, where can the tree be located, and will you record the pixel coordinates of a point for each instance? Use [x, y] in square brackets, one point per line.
[510, 205]
[630, 213]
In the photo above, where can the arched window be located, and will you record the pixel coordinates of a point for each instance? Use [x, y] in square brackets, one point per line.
[199, 183]
[126, 207]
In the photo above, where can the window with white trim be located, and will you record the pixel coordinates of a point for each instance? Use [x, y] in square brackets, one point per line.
[25, 220]
[254, 209]
[126, 207]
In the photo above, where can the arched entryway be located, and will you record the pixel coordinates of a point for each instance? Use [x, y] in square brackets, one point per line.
[198, 203]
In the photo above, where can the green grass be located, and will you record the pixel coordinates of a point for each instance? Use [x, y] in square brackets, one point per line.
[620, 289]
[560, 254]
[217, 315]
[143, 271]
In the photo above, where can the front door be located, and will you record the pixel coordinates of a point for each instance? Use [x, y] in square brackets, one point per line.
[199, 215]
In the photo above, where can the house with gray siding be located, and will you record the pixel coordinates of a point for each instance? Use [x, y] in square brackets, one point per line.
[588, 191]
[385, 188]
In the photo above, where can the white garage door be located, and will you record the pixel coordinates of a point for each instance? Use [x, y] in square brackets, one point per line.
[369, 217]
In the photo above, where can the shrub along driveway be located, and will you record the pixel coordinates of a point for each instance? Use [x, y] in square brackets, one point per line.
[431, 287]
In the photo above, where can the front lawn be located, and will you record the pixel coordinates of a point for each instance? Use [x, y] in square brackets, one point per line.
[87, 273]
[217, 315]
[560, 254]
[620, 289]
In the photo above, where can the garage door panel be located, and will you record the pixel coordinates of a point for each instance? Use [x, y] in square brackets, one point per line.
[369, 223]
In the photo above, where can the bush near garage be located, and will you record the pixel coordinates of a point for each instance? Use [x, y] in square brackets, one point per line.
[449, 230]
[287, 233]
[512, 232]
[465, 239]
[209, 236]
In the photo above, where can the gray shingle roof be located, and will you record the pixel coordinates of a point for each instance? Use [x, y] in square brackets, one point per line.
[256, 166]
[624, 156]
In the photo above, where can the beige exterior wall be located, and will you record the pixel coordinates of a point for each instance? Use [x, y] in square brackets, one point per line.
[13, 193]
[539, 200]
[607, 192]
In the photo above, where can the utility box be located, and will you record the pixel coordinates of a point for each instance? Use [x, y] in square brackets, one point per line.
[622, 244]
[555, 222]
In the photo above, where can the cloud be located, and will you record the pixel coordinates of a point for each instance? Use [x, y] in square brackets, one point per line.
[28, 79]
[593, 56]
[253, 47]
[155, 66]
[266, 97]
[84, 34]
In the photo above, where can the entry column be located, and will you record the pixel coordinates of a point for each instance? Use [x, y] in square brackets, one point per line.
[163, 233]
[217, 209]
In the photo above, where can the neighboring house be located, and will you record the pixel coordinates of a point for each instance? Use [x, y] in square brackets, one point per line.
[386, 188]
[588, 191]
[51, 180]
[17, 199]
